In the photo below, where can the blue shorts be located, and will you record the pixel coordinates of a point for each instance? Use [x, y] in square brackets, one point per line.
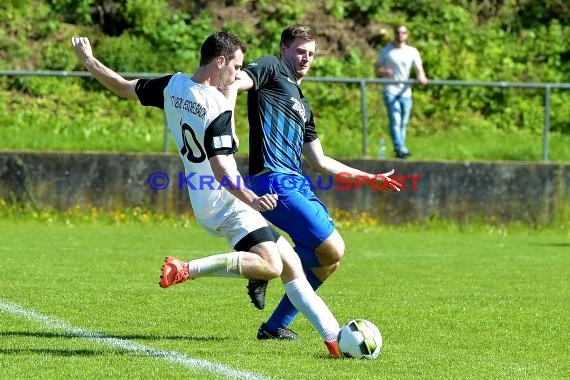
[299, 212]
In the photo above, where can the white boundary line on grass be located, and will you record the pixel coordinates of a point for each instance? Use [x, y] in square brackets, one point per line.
[129, 345]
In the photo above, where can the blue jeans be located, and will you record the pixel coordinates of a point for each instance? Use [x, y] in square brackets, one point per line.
[399, 109]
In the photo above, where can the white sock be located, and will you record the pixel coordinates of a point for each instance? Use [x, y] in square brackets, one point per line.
[304, 298]
[222, 265]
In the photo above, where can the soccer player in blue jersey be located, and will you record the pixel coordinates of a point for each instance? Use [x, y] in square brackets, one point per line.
[282, 130]
[196, 110]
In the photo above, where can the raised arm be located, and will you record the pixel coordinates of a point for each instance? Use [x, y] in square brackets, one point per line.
[104, 75]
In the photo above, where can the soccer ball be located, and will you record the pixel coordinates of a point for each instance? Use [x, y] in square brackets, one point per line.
[360, 339]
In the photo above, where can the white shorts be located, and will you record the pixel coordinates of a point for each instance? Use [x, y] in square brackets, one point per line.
[234, 222]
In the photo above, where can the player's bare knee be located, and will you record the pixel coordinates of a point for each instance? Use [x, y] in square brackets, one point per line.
[269, 254]
[325, 272]
[331, 251]
[339, 245]
[272, 270]
[334, 267]
[338, 254]
[275, 266]
[274, 273]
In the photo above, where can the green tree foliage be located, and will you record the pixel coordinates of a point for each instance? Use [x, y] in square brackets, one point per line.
[489, 40]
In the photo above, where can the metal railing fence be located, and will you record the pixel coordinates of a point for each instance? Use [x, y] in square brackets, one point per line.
[362, 82]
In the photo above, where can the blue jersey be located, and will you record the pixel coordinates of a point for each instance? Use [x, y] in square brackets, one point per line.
[280, 118]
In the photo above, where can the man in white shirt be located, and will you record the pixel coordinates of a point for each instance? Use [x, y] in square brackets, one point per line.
[395, 61]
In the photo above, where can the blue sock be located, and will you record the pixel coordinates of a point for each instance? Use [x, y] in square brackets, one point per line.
[308, 258]
[285, 312]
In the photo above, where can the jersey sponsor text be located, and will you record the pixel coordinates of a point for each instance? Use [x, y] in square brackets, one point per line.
[189, 106]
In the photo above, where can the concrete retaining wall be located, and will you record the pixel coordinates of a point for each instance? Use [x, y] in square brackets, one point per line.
[501, 191]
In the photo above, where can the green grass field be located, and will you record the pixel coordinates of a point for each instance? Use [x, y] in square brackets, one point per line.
[82, 300]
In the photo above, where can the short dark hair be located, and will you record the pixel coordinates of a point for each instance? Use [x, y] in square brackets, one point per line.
[292, 32]
[220, 43]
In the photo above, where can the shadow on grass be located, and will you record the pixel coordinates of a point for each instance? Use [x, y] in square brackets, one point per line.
[40, 334]
[561, 244]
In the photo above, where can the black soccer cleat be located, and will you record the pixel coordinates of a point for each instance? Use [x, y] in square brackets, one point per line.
[256, 290]
[281, 333]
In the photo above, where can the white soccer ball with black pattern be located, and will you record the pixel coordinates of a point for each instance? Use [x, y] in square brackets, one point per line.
[360, 339]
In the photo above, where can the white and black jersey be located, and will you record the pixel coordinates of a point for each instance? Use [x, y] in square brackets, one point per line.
[199, 118]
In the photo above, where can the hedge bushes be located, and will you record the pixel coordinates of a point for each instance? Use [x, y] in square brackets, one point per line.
[492, 40]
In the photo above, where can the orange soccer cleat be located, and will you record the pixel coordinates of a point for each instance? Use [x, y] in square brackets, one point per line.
[174, 271]
[333, 349]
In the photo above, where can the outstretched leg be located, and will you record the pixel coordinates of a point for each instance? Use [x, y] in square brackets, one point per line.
[330, 253]
[233, 264]
[303, 298]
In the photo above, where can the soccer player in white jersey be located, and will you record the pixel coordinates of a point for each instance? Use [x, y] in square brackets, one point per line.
[200, 119]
